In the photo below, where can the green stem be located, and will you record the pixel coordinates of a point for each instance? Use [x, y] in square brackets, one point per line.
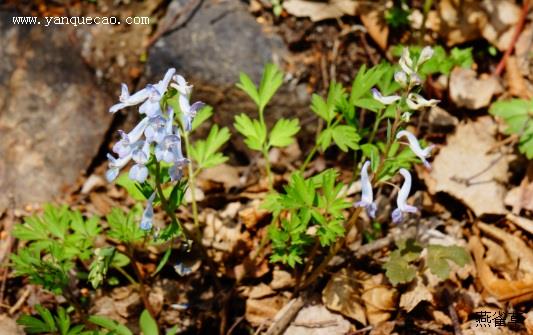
[192, 187]
[125, 274]
[196, 238]
[308, 158]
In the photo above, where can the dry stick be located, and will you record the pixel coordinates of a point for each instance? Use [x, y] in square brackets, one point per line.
[279, 325]
[20, 301]
[518, 30]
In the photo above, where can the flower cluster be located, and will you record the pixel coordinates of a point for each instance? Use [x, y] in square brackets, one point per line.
[157, 127]
[408, 78]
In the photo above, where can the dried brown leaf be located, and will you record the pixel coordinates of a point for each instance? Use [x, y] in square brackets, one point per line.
[342, 294]
[466, 90]
[417, 293]
[263, 311]
[318, 320]
[504, 290]
[517, 249]
[318, 11]
[376, 26]
[465, 158]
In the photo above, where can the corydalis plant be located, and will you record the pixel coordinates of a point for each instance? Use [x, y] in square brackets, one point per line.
[155, 137]
[157, 127]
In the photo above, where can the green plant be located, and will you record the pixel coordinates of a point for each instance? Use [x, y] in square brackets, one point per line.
[400, 267]
[47, 323]
[315, 203]
[257, 136]
[518, 116]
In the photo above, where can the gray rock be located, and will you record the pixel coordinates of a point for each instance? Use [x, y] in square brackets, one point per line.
[218, 41]
[53, 116]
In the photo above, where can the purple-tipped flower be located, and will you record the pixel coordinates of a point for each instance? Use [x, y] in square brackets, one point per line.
[367, 196]
[414, 145]
[148, 214]
[386, 100]
[188, 111]
[115, 164]
[169, 150]
[149, 96]
[401, 200]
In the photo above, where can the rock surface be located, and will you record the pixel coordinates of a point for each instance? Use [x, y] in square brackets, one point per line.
[53, 116]
[220, 40]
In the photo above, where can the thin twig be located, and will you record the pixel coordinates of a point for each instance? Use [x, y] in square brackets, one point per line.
[518, 30]
[288, 313]
[21, 300]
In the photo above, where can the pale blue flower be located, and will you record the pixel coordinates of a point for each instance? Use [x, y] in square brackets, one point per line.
[414, 145]
[138, 172]
[149, 96]
[176, 170]
[123, 147]
[188, 111]
[169, 150]
[127, 100]
[367, 196]
[401, 200]
[386, 100]
[115, 165]
[148, 214]
[156, 129]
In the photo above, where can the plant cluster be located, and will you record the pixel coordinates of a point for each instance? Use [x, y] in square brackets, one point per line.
[311, 216]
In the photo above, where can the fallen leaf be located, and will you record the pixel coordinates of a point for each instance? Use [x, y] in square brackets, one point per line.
[517, 83]
[260, 291]
[380, 300]
[318, 320]
[502, 17]
[464, 170]
[442, 318]
[376, 26]
[460, 21]
[263, 311]
[9, 326]
[384, 328]
[517, 249]
[252, 214]
[496, 257]
[318, 11]
[417, 293]
[521, 197]
[466, 90]
[224, 174]
[343, 294]
[222, 235]
[528, 322]
[514, 291]
[281, 280]
[521, 222]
